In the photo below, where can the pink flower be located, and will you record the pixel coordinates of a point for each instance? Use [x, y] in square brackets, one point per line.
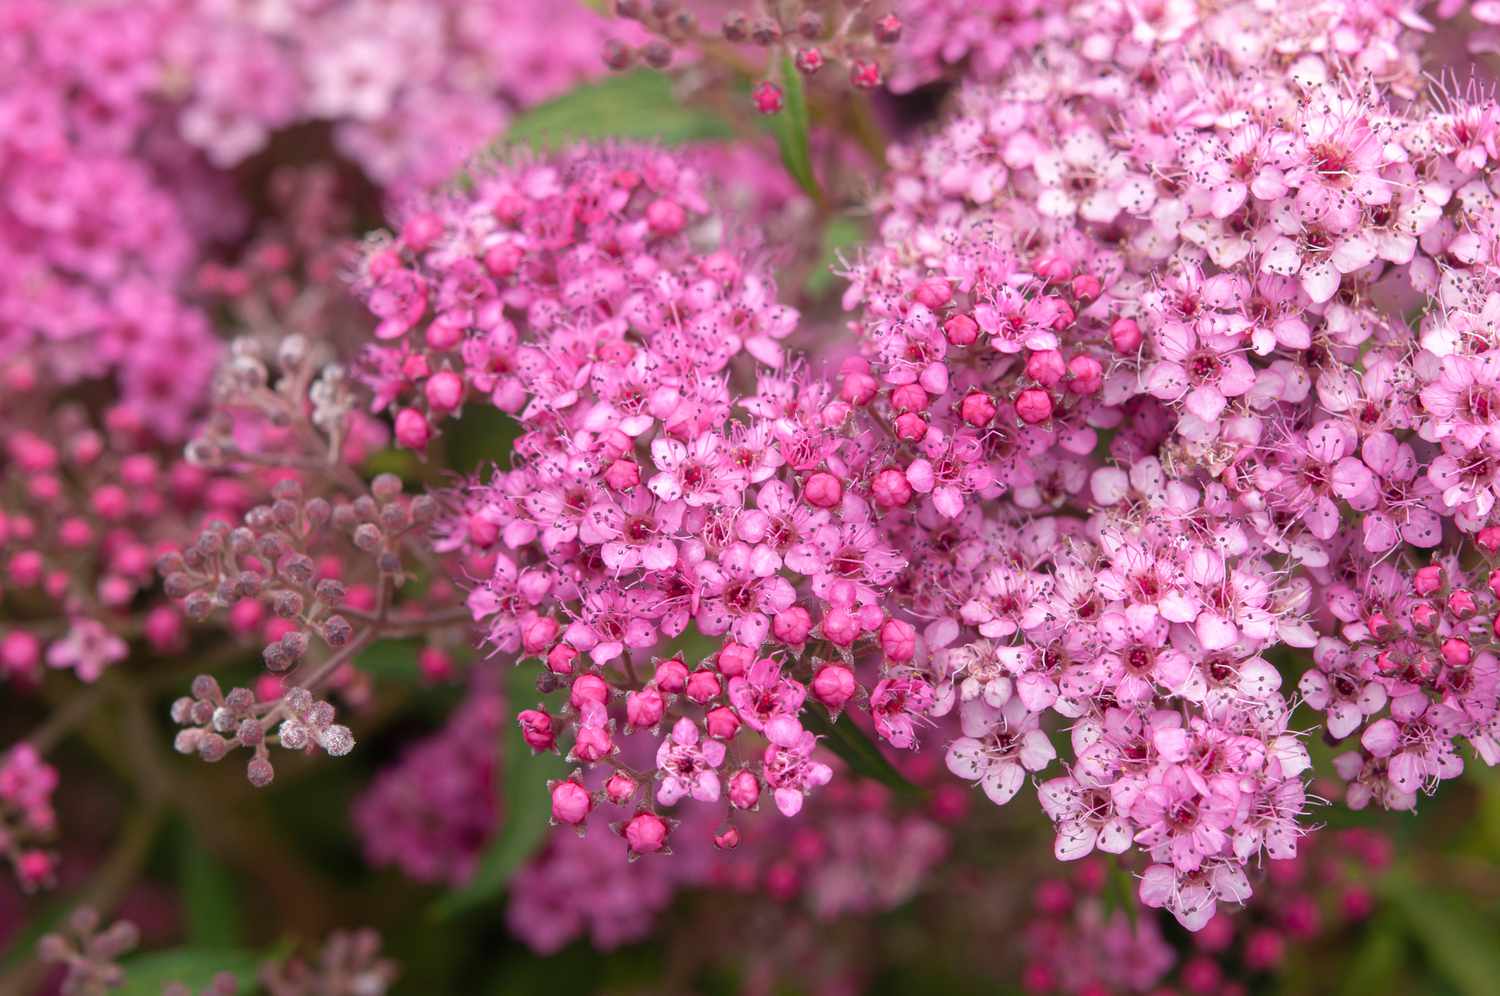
[895, 703]
[997, 749]
[88, 648]
[685, 765]
[1185, 818]
[791, 772]
[741, 591]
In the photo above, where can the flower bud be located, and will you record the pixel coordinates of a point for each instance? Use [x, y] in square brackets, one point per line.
[571, 802]
[561, 657]
[411, 429]
[721, 723]
[646, 833]
[909, 398]
[593, 743]
[978, 409]
[792, 626]
[644, 709]
[444, 391]
[1125, 335]
[840, 626]
[619, 788]
[823, 490]
[1034, 405]
[735, 659]
[899, 640]
[744, 789]
[961, 330]
[727, 839]
[767, 97]
[1456, 651]
[911, 427]
[1461, 604]
[703, 687]
[537, 729]
[834, 686]
[588, 688]
[891, 488]
[1046, 367]
[1427, 579]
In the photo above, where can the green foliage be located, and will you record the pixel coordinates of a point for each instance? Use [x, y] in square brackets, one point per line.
[842, 233]
[392, 660]
[857, 750]
[637, 105]
[527, 808]
[210, 897]
[791, 128]
[1459, 945]
[148, 974]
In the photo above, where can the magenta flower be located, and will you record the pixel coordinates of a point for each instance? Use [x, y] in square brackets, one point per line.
[685, 764]
[998, 748]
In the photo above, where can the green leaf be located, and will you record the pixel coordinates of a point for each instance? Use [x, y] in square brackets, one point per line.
[1378, 961]
[527, 808]
[210, 896]
[148, 974]
[392, 660]
[637, 105]
[857, 750]
[790, 126]
[1457, 943]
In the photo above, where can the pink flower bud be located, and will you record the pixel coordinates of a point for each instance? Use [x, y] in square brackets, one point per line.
[840, 626]
[767, 97]
[445, 392]
[1034, 405]
[622, 474]
[537, 729]
[20, 654]
[792, 626]
[1428, 579]
[1461, 604]
[666, 217]
[1380, 625]
[890, 488]
[899, 640]
[961, 330]
[1046, 367]
[834, 686]
[809, 60]
[671, 676]
[560, 658]
[1125, 335]
[735, 659]
[911, 427]
[645, 833]
[823, 490]
[110, 502]
[978, 409]
[721, 723]
[1424, 617]
[571, 802]
[933, 292]
[421, 231]
[620, 788]
[744, 789]
[1456, 651]
[588, 688]
[435, 664]
[1086, 287]
[727, 839]
[864, 75]
[411, 429]
[858, 388]
[644, 708]
[538, 634]
[703, 687]
[443, 334]
[1053, 268]
[1086, 375]
[909, 398]
[504, 259]
[592, 743]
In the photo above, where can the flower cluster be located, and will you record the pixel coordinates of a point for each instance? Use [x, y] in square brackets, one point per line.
[1076, 944]
[26, 816]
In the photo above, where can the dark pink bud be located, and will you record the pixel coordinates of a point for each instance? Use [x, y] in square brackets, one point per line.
[644, 708]
[721, 723]
[703, 687]
[571, 802]
[864, 74]
[1046, 367]
[445, 391]
[1424, 617]
[671, 676]
[735, 659]
[1428, 579]
[588, 688]
[961, 330]
[1381, 626]
[435, 664]
[977, 409]
[1461, 604]
[840, 626]
[727, 839]
[834, 686]
[933, 292]
[792, 626]
[891, 488]
[1085, 375]
[899, 640]
[810, 60]
[620, 788]
[560, 658]
[538, 634]
[909, 398]
[502, 260]
[823, 490]
[767, 97]
[666, 217]
[443, 334]
[911, 427]
[1456, 651]
[1086, 287]
[1264, 950]
[622, 474]
[1034, 405]
[887, 29]
[1054, 268]
[1125, 334]
[593, 743]
[858, 388]
[744, 789]
[411, 429]
[537, 729]
[421, 231]
[645, 833]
